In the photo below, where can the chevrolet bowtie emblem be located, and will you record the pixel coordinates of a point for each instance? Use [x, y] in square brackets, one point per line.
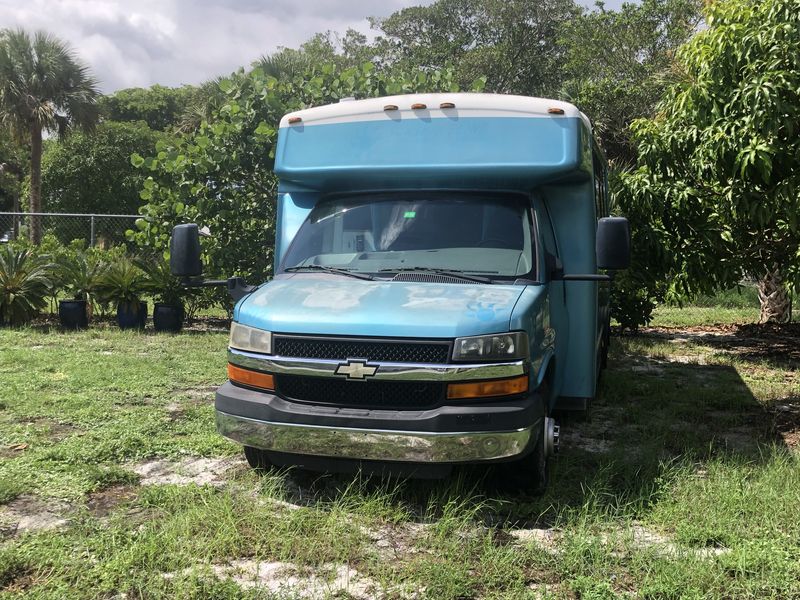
[356, 369]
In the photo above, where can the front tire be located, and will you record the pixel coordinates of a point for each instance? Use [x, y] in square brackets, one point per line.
[529, 475]
[257, 458]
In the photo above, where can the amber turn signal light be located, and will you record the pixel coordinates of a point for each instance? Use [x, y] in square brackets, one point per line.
[256, 379]
[487, 389]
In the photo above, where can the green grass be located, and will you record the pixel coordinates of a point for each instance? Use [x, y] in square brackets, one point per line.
[691, 451]
[738, 305]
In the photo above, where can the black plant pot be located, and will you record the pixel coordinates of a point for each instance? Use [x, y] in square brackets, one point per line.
[131, 315]
[167, 317]
[72, 314]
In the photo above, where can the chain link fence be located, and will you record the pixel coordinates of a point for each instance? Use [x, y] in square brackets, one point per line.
[96, 230]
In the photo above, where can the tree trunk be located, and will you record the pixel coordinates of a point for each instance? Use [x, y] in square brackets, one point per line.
[776, 303]
[36, 184]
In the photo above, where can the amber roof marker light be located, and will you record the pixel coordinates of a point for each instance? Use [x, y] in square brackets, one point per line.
[554, 110]
[293, 120]
[390, 107]
[419, 106]
[447, 105]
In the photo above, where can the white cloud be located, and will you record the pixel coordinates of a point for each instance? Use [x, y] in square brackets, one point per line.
[173, 42]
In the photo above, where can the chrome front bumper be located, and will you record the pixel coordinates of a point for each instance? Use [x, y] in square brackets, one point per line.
[374, 444]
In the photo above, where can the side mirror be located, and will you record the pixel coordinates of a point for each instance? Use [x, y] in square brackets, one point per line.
[613, 243]
[184, 251]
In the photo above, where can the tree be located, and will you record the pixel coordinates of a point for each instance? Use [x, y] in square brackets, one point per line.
[221, 176]
[92, 173]
[43, 87]
[158, 106]
[720, 172]
[12, 173]
[619, 63]
[514, 44]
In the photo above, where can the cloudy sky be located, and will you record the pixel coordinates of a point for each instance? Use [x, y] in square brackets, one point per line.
[138, 43]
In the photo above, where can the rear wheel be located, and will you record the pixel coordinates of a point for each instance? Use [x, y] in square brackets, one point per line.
[604, 347]
[257, 458]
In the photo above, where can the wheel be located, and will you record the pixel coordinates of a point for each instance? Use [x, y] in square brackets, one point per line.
[604, 347]
[531, 474]
[257, 458]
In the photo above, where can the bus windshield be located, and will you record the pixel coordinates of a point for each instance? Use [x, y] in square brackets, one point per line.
[487, 235]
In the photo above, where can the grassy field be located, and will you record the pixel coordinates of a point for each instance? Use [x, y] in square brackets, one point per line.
[684, 483]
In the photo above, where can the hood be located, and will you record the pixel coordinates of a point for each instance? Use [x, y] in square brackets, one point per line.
[330, 305]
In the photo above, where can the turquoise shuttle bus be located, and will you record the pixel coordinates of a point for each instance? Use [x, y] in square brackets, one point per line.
[441, 288]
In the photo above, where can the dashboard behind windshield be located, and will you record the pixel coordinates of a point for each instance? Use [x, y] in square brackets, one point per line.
[480, 234]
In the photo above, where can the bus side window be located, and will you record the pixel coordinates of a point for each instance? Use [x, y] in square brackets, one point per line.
[600, 187]
[545, 232]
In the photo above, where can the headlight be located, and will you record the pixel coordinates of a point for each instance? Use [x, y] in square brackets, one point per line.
[250, 339]
[501, 346]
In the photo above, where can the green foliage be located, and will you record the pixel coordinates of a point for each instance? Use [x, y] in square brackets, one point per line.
[42, 84]
[92, 173]
[620, 62]
[720, 172]
[162, 283]
[160, 107]
[12, 161]
[80, 274]
[513, 44]
[43, 87]
[221, 176]
[123, 282]
[24, 284]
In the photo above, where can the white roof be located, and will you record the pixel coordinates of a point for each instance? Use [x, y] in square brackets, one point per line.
[466, 105]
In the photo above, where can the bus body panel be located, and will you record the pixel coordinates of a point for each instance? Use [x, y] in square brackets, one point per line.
[541, 150]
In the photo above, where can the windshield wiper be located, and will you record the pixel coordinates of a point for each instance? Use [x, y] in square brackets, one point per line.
[336, 270]
[447, 272]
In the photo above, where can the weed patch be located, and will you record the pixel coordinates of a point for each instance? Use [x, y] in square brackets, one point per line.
[682, 483]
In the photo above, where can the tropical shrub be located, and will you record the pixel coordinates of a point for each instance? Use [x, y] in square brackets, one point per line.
[81, 275]
[123, 282]
[165, 287]
[25, 281]
[719, 168]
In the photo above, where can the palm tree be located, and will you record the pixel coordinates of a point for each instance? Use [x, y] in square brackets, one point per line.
[43, 87]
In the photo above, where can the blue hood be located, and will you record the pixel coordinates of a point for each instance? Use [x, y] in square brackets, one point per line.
[328, 305]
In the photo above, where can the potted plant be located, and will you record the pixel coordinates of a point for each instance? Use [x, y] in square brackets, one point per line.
[123, 284]
[168, 312]
[81, 276]
[25, 279]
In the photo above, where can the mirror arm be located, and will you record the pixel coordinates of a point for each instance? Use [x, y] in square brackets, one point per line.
[237, 288]
[586, 277]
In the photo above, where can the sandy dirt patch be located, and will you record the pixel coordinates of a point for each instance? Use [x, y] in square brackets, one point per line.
[299, 582]
[29, 513]
[200, 471]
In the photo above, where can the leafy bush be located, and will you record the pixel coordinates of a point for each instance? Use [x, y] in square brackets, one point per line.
[166, 288]
[123, 282]
[81, 275]
[25, 282]
[221, 175]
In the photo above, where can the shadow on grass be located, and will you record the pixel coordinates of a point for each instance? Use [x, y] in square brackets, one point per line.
[654, 416]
